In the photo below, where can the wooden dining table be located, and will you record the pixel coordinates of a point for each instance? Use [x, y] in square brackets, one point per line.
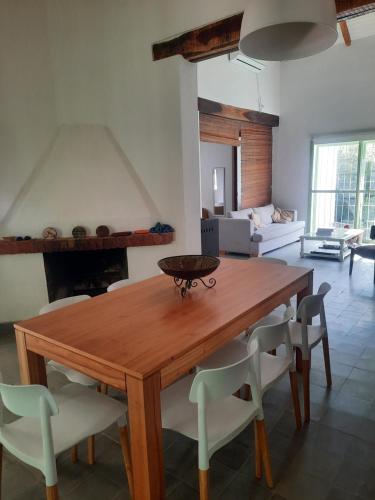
[142, 338]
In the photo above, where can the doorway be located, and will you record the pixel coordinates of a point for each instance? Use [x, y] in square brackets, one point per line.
[219, 178]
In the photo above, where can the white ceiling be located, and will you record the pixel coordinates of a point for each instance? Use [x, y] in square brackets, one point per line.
[360, 27]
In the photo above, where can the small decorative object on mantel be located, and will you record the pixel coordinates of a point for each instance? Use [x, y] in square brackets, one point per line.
[141, 231]
[187, 270]
[9, 238]
[79, 232]
[23, 238]
[102, 231]
[49, 233]
[162, 228]
[122, 233]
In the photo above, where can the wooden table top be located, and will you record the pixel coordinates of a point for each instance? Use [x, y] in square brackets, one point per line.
[141, 328]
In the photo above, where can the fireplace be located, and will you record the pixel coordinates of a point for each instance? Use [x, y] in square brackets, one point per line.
[83, 272]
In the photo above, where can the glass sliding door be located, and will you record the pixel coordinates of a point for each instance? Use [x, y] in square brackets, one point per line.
[343, 185]
[366, 195]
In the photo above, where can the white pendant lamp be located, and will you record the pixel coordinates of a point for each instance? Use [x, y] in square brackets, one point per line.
[281, 30]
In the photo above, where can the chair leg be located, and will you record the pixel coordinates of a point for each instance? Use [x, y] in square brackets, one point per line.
[74, 454]
[126, 454]
[203, 484]
[262, 437]
[258, 457]
[351, 263]
[306, 388]
[247, 395]
[52, 492]
[295, 397]
[91, 450]
[104, 388]
[327, 361]
[374, 273]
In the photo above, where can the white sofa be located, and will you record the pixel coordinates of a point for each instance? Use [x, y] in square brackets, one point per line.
[238, 234]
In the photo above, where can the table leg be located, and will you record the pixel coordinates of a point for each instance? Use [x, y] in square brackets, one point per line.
[309, 290]
[32, 366]
[146, 437]
[342, 246]
[302, 252]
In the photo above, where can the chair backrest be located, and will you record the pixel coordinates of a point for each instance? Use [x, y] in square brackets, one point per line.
[28, 400]
[59, 304]
[33, 401]
[270, 337]
[272, 260]
[313, 305]
[372, 233]
[219, 383]
[118, 284]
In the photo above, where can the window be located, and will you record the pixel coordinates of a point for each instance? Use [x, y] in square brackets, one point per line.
[343, 185]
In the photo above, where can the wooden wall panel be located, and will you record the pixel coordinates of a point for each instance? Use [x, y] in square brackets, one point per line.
[256, 161]
[218, 129]
[256, 154]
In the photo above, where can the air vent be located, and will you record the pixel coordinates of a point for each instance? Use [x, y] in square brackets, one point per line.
[246, 62]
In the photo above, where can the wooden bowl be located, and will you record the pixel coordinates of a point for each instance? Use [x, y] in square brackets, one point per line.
[189, 267]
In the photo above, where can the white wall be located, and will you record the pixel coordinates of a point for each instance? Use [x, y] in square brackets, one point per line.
[328, 93]
[224, 81]
[84, 69]
[215, 156]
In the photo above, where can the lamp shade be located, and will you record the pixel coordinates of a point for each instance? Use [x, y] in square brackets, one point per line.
[281, 30]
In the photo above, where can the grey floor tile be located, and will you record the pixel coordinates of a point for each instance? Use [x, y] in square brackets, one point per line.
[244, 487]
[183, 492]
[301, 486]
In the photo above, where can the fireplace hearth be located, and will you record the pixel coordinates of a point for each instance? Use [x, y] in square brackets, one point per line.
[83, 272]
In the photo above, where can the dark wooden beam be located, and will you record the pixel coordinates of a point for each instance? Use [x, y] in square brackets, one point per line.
[347, 9]
[214, 39]
[345, 33]
[245, 115]
[222, 37]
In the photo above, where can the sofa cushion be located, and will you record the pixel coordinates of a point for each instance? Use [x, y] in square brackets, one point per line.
[265, 213]
[257, 220]
[240, 214]
[272, 231]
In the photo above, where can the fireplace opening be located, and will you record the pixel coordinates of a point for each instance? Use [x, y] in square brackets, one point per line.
[83, 272]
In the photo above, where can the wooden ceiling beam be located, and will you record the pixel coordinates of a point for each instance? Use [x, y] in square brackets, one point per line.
[214, 39]
[233, 113]
[345, 33]
[347, 9]
[222, 37]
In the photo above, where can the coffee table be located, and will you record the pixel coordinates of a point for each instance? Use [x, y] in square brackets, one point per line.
[342, 237]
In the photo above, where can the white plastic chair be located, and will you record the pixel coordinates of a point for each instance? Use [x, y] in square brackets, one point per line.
[118, 284]
[51, 423]
[305, 337]
[73, 375]
[203, 408]
[271, 367]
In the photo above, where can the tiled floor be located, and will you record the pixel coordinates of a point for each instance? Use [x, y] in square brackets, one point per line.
[333, 458]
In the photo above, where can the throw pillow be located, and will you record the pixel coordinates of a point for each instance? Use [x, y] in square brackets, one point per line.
[286, 215]
[257, 220]
[276, 216]
[265, 213]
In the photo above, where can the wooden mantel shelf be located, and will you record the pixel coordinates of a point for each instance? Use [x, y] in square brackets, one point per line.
[81, 244]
